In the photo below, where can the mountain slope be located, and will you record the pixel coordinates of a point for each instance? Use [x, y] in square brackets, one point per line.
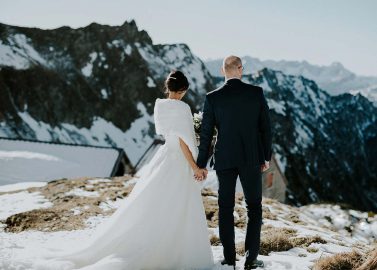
[326, 145]
[335, 78]
[93, 85]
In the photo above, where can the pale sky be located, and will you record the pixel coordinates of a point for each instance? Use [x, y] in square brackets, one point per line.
[320, 31]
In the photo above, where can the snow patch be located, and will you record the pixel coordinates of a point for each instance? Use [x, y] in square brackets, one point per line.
[19, 202]
[20, 186]
[104, 94]
[128, 49]
[99, 180]
[368, 92]
[111, 205]
[150, 82]
[76, 211]
[9, 155]
[265, 86]
[88, 68]
[82, 193]
[304, 136]
[17, 52]
[278, 107]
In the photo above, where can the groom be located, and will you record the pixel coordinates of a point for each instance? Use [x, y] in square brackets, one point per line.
[240, 113]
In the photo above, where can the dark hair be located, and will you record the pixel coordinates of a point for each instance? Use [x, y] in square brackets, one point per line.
[176, 81]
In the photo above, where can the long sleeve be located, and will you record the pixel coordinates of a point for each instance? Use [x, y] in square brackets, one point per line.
[265, 128]
[206, 133]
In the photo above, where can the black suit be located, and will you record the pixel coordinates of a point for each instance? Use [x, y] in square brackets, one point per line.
[240, 113]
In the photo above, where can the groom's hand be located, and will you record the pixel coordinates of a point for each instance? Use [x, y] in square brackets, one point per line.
[205, 173]
[265, 166]
[200, 174]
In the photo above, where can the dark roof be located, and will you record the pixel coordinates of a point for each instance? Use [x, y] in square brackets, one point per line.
[61, 143]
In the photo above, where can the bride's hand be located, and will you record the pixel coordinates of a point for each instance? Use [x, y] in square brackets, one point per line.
[199, 174]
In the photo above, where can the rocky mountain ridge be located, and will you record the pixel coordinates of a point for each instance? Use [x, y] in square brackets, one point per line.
[92, 85]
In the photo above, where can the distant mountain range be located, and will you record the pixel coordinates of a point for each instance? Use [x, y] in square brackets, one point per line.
[335, 78]
[97, 85]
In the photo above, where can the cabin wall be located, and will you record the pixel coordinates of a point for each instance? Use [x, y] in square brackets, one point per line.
[278, 189]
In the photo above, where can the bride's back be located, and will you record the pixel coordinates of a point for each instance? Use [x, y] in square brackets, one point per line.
[173, 120]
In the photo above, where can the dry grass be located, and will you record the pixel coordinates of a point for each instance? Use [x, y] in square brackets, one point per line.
[240, 248]
[239, 197]
[211, 207]
[269, 201]
[208, 192]
[241, 221]
[340, 261]
[60, 215]
[275, 239]
[211, 211]
[295, 218]
[307, 240]
[348, 261]
[215, 241]
[283, 239]
[312, 249]
[267, 214]
[371, 261]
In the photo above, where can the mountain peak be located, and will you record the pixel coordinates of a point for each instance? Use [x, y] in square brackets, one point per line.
[337, 65]
[131, 23]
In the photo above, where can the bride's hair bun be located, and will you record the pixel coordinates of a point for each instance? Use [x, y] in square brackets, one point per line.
[176, 81]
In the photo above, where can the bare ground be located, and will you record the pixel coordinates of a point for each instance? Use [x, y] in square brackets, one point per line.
[69, 212]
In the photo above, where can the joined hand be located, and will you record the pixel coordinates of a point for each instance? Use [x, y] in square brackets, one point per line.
[200, 174]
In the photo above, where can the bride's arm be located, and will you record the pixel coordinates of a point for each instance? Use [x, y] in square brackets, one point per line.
[188, 155]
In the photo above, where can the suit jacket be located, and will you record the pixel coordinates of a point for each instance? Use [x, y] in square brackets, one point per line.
[240, 113]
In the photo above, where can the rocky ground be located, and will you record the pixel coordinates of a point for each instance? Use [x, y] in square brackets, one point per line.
[309, 237]
[73, 201]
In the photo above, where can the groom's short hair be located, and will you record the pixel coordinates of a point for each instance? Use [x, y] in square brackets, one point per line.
[231, 63]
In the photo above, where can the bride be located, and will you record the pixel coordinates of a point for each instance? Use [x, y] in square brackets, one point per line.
[162, 224]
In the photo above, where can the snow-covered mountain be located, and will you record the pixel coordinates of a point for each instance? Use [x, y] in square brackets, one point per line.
[97, 85]
[326, 145]
[94, 85]
[335, 78]
[369, 92]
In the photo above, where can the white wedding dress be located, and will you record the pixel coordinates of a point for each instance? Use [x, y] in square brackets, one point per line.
[162, 224]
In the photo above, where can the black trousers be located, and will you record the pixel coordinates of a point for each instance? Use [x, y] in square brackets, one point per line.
[251, 182]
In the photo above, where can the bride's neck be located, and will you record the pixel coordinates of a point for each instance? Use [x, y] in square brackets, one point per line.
[172, 97]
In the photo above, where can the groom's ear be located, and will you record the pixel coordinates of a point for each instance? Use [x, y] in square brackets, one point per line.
[222, 71]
